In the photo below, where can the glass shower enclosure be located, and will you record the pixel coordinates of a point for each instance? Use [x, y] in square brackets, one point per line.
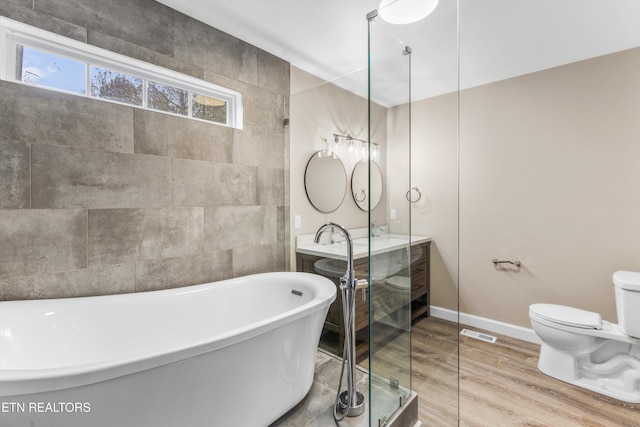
[350, 155]
[390, 271]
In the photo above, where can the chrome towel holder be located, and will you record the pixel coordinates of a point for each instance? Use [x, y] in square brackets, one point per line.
[497, 263]
[408, 195]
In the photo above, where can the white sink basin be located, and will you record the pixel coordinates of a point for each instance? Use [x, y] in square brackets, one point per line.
[330, 267]
[382, 242]
[383, 265]
[379, 245]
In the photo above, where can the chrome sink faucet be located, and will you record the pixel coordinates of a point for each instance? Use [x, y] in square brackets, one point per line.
[376, 230]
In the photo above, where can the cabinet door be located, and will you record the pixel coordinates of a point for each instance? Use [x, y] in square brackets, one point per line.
[419, 270]
[361, 267]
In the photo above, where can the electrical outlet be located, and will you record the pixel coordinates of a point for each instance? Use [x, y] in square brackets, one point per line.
[297, 222]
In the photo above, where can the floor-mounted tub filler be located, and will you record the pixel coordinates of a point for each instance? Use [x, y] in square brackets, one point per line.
[350, 403]
[239, 352]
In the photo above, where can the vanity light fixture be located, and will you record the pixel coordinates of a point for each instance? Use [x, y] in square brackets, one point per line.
[375, 154]
[406, 11]
[352, 143]
[327, 152]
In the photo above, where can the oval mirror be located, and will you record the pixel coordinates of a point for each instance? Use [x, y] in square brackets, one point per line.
[359, 184]
[325, 181]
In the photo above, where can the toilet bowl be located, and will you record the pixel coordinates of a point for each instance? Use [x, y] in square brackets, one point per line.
[580, 348]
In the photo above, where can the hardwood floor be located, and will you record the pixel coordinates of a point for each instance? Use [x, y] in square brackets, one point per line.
[500, 385]
[434, 365]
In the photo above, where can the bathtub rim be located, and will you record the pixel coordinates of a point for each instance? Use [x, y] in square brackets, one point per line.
[15, 382]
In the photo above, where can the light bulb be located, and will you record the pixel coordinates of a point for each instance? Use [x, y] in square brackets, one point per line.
[406, 11]
[376, 152]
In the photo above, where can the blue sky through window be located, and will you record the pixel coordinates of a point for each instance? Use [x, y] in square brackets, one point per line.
[46, 69]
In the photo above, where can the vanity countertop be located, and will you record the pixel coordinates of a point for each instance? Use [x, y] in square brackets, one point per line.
[379, 245]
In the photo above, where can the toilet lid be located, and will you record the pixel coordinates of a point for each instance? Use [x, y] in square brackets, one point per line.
[568, 315]
[629, 280]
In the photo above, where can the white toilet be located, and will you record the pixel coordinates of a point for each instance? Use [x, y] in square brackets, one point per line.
[580, 348]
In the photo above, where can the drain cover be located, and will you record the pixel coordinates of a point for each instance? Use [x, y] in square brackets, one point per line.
[478, 335]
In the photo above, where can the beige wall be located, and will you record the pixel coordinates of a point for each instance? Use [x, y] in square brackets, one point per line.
[318, 110]
[434, 171]
[549, 175]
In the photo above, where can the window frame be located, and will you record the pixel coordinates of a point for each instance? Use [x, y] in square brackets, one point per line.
[13, 33]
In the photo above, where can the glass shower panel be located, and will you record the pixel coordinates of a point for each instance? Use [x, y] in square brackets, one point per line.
[364, 119]
[328, 149]
[390, 246]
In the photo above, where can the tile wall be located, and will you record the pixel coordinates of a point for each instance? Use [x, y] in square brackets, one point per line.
[99, 198]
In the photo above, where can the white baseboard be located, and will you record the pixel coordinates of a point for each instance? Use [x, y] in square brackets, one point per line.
[513, 331]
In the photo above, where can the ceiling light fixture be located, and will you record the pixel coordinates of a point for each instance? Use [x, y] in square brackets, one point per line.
[406, 11]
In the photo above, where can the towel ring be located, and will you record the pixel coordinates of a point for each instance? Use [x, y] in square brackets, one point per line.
[409, 195]
[364, 195]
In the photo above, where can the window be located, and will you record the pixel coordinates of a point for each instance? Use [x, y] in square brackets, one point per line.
[116, 86]
[208, 108]
[45, 69]
[36, 57]
[168, 98]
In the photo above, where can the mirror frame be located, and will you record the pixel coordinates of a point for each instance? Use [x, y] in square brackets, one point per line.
[320, 155]
[360, 194]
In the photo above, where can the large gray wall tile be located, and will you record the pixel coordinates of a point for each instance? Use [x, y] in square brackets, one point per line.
[32, 114]
[166, 135]
[183, 271]
[22, 11]
[273, 73]
[258, 146]
[132, 50]
[197, 183]
[143, 22]
[146, 177]
[236, 226]
[258, 259]
[65, 177]
[214, 50]
[22, 3]
[270, 187]
[124, 235]
[283, 223]
[15, 181]
[103, 280]
[264, 109]
[42, 241]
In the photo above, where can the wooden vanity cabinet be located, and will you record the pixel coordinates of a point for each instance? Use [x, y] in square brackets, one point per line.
[386, 297]
[420, 283]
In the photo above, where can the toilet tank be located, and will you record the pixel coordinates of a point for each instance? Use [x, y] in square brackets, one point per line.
[627, 286]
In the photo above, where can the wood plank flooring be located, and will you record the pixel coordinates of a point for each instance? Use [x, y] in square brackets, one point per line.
[434, 365]
[500, 385]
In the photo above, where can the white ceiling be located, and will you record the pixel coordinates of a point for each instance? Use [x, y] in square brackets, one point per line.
[499, 39]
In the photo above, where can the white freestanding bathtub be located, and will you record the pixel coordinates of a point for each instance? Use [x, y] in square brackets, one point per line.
[238, 352]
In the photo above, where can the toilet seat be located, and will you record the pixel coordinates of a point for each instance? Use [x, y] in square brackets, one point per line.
[568, 316]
